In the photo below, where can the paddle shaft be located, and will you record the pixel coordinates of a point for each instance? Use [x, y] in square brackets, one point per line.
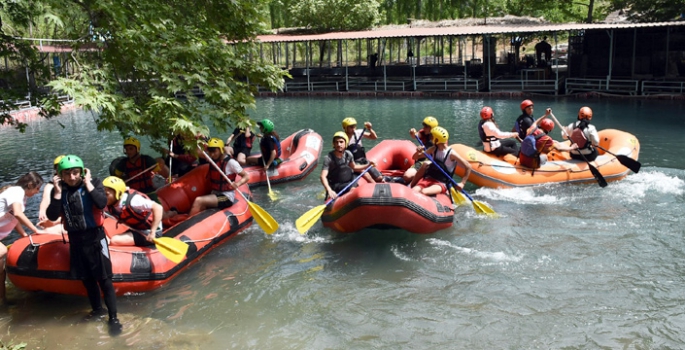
[439, 167]
[598, 176]
[628, 162]
[211, 161]
[171, 150]
[348, 185]
[140, 173]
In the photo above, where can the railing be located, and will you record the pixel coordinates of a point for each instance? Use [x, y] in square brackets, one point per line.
[382, 85]
[528, 85]
[650, 87]
[448, 85]
[631, 87]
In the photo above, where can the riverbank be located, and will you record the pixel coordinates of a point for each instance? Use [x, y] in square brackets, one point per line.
[466, 94]
[33, 113]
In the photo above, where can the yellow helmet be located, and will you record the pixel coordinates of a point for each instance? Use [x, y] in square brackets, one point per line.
[216, 142]
[132, 141]
[341, 135]
[116, 184]
[349, 121]
[430, 121]
[440, 135]
[58, 159]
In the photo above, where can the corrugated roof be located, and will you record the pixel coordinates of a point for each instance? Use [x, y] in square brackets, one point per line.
[458, 31]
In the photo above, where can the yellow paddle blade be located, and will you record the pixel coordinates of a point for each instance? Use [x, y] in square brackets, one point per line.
[172, 249]
[308, 219]
[482, 208]
[264, 220]
[321, 195]
[273, 195]
[457, 197]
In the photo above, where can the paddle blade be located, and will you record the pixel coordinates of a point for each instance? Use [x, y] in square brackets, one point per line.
[598, 176]
[484, 209]
[273, 196]
[457, 197]
[308, 219]
[264, 219]
[629, 163]
[172, 249]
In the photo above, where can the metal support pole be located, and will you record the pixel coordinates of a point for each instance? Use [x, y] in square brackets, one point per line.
[611, 56]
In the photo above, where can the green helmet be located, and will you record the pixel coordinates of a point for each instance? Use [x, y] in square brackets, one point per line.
[267, 125]
[69, 162]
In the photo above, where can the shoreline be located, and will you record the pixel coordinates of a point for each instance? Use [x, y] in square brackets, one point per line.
[31, 114]
[466, 94]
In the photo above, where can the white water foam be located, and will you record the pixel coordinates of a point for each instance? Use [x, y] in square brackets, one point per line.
[635, 187]
[287, 232]
[500, 257]
[520, 195]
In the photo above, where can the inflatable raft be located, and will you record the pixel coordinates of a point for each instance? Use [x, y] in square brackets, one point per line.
[300, 154]
[506, 172]
[389, 205]
[42, 262]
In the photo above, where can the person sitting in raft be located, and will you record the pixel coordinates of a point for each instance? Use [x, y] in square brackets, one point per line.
[270, 146]
[12, 204]
[80, 199]
[339, 167]
[356, 147]
[183, 161]
[429, 180]
[223, 192]
[525, 120]
[135, 210]
[425, 136]
[538, 143]
[493, 139]
[51, 227]
[583, 134]
[242, 146]
[138, 169]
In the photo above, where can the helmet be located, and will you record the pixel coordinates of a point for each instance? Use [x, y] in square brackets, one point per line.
[216, 142]
[486, 113]
[349, 121]
[430, 121]
[585, 113]
[546, 124]
[440, 135]
[525, 104]
[69, 162]
[132, 141]
[267, 125]
[57, 160]
[341, 135]
[116, 184]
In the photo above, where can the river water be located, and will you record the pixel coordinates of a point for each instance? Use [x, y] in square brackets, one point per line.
[571, 267]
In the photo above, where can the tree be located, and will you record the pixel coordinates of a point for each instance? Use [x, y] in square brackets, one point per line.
[133, 56]
[651, 10]
[335, 15]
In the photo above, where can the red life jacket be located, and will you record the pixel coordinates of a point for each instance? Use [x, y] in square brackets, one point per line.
[217, 179]
[142, 182]
[133, 218]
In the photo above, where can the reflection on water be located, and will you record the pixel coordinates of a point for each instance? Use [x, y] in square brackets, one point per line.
[564, 266]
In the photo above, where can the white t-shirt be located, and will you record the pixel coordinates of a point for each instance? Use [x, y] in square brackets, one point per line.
[14, 194]
[232, 167]
[137, 203]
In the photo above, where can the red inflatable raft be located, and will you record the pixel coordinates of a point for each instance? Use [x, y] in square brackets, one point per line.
[300, 154]
[389, 205]
[44, 264]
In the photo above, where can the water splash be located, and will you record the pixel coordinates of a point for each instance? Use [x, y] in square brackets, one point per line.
[492, 256]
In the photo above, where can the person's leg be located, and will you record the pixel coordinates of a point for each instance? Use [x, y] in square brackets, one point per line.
[110, 296]
[125, 238]
[3, 256]
[203, 202]
[93, 295]
[241, 159]
[409, 175]
[432, 190]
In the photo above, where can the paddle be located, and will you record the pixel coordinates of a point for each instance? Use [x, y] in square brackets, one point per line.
[479, 207]
[140, 173]
[171, 150]
[627, 162]
[272, 194]
[598, 176]
[264, 220]
[308, 219]
[457, 198]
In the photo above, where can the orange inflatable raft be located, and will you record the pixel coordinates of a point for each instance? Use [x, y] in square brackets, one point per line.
[300, 154]
[498, 172]
[389, 205]
[43, 264]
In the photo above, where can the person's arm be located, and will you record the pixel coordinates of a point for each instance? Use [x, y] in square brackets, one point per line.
[594, 136]
[412, 133]
[18, 212]
[324, 181]
[272, 156]
[370, 133]
[455, 156]
[44, 202]
[157, 213]
[496, 132]
[161, 168]
[360, 167]
[419, 153]
[562, 147]
[97, 191]
[55, 209]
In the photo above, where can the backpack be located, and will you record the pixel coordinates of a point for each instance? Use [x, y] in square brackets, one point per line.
[578, 137]
[528, 147]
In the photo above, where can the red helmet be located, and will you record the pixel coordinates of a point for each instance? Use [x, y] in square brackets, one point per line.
[525, 104]
[546, 124]
[585, 113]
[486, 113]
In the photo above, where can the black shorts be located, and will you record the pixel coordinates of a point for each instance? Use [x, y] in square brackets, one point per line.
[244, 150]
[223, 202]
[140, 240]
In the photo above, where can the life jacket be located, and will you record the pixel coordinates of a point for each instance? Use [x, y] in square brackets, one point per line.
[481, 132]
[216, 179]
[79, 213]
[358, 152]
[529, 146]
[578, 136]
[143, 182]
[133, 218]
[242, 141]
[426, 139]
[266, 148]
[339, 172]
[520, 128]
[434, 172]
